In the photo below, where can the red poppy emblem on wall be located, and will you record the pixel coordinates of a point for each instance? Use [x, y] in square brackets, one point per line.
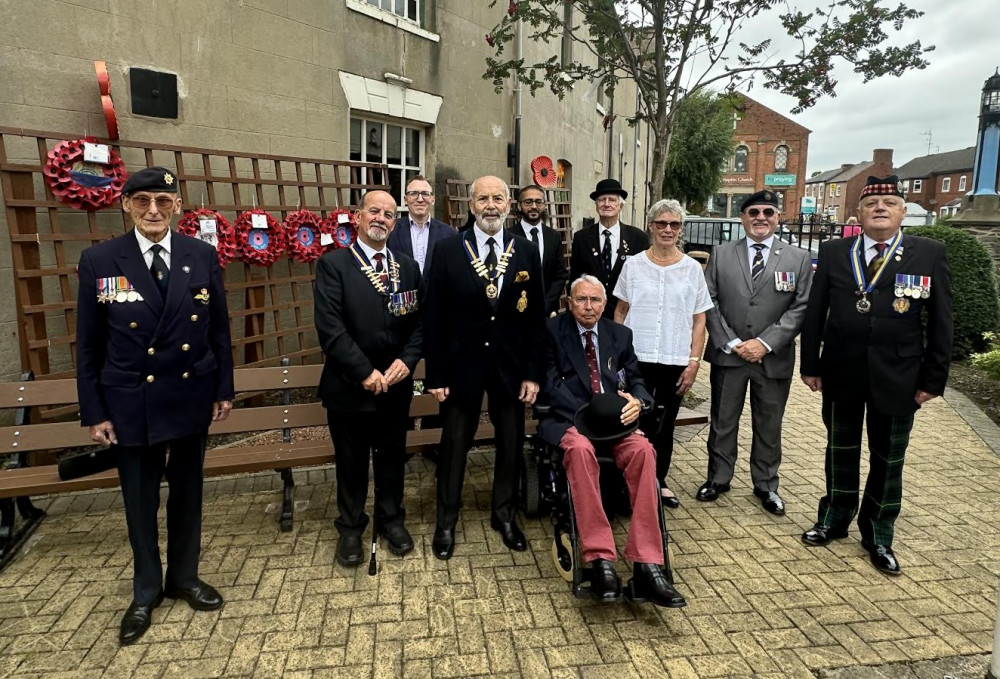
[543, 172]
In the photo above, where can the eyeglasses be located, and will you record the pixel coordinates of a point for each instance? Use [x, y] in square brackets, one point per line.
[163, 203]
[419, 194]
[533, 201]
[661, 225]
[594, 301]
[767, 212]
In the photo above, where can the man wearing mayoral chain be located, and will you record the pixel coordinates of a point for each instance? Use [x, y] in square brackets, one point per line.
[483, 331]
[881, 306]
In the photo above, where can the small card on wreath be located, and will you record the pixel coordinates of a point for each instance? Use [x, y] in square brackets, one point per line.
[96, 153]
[207, 225]
[326, 239]
[258, 221]
[343, 218]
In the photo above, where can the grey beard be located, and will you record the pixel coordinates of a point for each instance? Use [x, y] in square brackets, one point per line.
[491, 229]
[378, 235]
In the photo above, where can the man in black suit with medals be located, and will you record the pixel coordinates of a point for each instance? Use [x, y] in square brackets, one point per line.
[154, 369]
[369, 320]
[531, 207]
[601, 249]
[482, 334]
[881, 307]
[417, 233]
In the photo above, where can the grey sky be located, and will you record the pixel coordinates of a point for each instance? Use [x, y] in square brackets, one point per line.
[895, 112]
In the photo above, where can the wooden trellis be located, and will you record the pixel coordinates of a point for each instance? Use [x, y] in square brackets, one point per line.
[271, 309]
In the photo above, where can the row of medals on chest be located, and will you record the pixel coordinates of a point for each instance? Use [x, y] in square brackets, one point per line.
[376, 280]
[905, 287]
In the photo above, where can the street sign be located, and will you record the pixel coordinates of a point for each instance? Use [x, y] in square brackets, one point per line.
[779, 180]
[808, 206]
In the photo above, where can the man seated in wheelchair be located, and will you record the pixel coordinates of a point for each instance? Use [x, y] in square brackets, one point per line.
[596, 394]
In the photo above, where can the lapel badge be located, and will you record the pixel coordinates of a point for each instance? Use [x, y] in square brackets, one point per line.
[901, 305]
[186, 269]
[168, 179]
[522, 303]
[202, 296]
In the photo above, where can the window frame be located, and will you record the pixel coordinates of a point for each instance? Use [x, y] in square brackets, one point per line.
[390, 17]
[946, 185]
[406, 170]
[788, 153]
[918, 185]
[746, 167]
[962, 183]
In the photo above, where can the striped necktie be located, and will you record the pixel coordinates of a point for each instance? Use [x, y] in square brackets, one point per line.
[757, 268]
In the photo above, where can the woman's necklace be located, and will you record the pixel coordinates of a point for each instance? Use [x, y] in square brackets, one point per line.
[672, 258]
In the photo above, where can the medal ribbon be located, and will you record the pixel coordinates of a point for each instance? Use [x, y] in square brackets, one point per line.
[480, 268]
[857, 268]
[366, 267]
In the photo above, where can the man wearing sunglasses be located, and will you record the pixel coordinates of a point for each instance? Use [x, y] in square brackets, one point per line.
[154, 370]
[760, 287]
[417, 233]
[531, 206]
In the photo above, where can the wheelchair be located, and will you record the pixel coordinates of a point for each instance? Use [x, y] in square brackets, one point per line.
[544, 489]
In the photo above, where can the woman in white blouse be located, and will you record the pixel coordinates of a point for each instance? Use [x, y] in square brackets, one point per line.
[663, 299]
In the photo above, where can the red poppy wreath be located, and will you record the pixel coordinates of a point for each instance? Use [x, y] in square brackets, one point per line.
[260, 246]
[303, 229]
[84, 185]
[223, 237]
[341, 225]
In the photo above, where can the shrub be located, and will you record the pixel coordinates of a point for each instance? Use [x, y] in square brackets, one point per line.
[989, 361]
[973, 284]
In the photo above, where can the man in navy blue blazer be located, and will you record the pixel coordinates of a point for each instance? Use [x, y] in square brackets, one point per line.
[417, 234]
[154, 369]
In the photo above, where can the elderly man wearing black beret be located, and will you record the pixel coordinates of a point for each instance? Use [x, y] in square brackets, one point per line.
[759, 287]
[154, 369]
[877, 342]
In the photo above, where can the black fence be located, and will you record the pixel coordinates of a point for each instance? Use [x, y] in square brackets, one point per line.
[704, 233]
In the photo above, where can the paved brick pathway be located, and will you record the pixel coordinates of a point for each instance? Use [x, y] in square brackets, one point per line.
[760, 603]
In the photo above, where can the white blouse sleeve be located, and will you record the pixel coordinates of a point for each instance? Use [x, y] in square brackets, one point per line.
[622, 288]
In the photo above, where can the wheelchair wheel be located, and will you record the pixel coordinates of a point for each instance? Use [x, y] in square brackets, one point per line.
[531, 492]
[562, 556]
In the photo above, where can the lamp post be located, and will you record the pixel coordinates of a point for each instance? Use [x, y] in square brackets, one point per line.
[984, 175]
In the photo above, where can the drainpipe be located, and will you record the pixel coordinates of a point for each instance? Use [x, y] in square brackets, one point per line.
[516, 170]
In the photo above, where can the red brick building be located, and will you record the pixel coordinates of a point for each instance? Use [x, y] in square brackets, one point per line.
[837, 191]
[934, 181]
[771, 152]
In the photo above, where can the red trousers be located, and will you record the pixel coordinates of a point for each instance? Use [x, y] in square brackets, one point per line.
[635, 456]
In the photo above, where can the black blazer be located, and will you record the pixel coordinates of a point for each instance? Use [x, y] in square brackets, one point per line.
[567, 377]
[553, 267]
[358, 334]
[400, 241]
[887, 354]
[464, 335]
[153, 366]
[585, 257]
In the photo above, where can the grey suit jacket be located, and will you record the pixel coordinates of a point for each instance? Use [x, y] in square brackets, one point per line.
[746, 309]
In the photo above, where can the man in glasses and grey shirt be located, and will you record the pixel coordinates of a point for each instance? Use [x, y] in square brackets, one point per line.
[759, 286]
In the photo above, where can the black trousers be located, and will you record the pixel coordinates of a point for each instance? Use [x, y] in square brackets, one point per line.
[661, 382]
[382, 435]
[461, 419]
[140, 471]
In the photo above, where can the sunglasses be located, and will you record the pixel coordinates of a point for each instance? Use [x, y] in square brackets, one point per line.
[767, 212]
[661, 225]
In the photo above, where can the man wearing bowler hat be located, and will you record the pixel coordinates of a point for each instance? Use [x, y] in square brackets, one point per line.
[600, 250]
[877, 342]
[596, 393]
[154, 369]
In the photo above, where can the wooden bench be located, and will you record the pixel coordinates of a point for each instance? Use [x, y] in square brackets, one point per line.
[21, 481]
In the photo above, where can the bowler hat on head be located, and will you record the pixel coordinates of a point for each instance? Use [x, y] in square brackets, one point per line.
[606, 186]
[760, 198]
[151, 179]
[883, 186]
[601, 419]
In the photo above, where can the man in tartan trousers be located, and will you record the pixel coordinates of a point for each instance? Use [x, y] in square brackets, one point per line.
[881, 305]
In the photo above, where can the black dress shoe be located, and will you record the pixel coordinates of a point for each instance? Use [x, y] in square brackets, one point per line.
[709, 491]
[883, 558]
[444, 542]
[136, 620]
[399, 539]
[349, 551]
[604, 583]
[649, 583]
[770, 501]
[511, 534]
[201, 597]
[821, 534]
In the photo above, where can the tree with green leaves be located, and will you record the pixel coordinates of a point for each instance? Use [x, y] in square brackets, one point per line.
[701, 149]
[672, 49]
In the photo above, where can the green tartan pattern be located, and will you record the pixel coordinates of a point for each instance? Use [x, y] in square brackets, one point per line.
[888, 438]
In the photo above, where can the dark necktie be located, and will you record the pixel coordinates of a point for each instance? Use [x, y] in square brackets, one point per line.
[491, 258]
[534, 235]
[873, 266]
[159, 270]
[606, 254]
[757, 267]
[383, 277]
[591, 351]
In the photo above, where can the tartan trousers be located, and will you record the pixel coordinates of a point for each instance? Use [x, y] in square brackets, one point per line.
[888, 437]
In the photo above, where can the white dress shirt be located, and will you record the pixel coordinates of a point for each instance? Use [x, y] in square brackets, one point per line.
[371, 252]
[146, 247]
[484, 249]
[420, 236]
[597, 346]
[541, 239]
[768, 243]
[870, 250]
[616, 239]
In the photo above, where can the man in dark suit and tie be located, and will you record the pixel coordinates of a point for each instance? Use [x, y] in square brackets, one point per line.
[759, 286]
[154, 369]
[531, 206]
[368, 312]
[601, 249]
[483, 329]
[587, 356]
[881, 308]
[416, 234]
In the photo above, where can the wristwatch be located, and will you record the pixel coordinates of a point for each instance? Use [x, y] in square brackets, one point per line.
[694, 358]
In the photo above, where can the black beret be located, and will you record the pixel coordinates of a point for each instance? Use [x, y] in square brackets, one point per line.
[157, 178]
[883, 186]
[764, 197]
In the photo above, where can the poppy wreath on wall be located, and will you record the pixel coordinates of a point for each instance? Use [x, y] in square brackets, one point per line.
[261, 247]
[223, 237]
[84, 185]
[341, 226]
[303, 231]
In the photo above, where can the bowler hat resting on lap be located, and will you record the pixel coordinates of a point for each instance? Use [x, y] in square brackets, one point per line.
[601, 419]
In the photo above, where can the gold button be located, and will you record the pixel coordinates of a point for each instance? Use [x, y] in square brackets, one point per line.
[486, 344]
[150, 378]
[185, 347]
[151, 351]
[133, 325]
[194, 317]
[184, 376]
